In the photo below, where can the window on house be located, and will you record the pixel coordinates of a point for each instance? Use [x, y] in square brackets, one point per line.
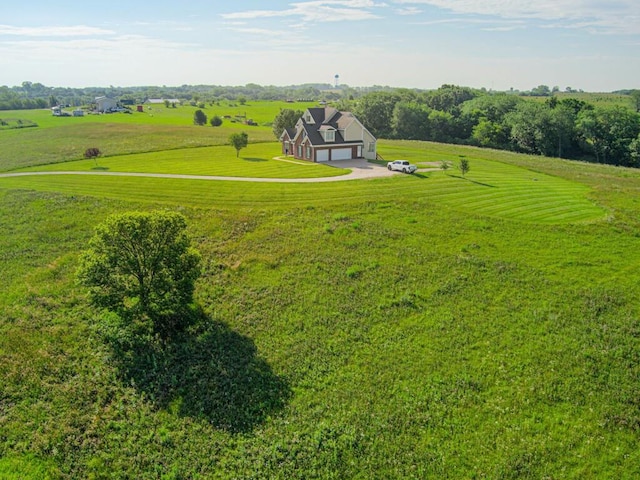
[308, 152]
[372, 147]
[330, 136]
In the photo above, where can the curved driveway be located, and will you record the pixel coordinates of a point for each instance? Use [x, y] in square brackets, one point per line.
[360, 169]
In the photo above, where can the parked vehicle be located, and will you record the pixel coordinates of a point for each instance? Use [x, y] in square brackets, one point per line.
[401, 166]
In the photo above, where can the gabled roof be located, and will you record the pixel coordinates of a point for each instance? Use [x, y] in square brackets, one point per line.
[318, 120]
[323, 119]
[290, 132]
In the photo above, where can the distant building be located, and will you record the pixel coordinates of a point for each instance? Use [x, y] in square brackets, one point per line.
[106, 104]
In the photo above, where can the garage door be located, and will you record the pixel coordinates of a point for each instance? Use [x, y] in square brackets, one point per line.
[341, 154]
[322, 155]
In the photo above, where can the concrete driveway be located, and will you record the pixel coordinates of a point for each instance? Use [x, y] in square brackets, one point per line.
[361, 169]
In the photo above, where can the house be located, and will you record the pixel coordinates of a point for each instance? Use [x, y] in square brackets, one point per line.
[106, 104]
[324, 134]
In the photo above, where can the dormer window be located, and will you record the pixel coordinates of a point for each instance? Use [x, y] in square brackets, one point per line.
[330, 136]
[328, 133]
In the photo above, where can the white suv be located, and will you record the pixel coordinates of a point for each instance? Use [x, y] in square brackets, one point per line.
[402, 166]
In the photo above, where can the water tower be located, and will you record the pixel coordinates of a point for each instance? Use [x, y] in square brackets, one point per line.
[336, 78]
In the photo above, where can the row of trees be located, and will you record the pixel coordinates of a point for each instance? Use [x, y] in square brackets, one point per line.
[567, 128]
[36, 95]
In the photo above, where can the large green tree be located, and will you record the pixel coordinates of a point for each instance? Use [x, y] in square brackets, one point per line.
[375, 111]
[635, 96]
[286, 118]
[448, 98]
[608, 132]
[141, 266]
[533, 128]
[634, 152]
[410, 121]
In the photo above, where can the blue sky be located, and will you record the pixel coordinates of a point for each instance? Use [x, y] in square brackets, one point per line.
[592, 45]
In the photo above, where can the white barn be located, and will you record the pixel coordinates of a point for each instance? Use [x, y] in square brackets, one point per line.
[106, 104]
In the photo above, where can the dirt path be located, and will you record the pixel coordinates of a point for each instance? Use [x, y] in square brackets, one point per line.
[360, 169]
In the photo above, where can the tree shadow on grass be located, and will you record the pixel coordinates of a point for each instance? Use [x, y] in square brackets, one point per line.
[472, 181]
[214, 374]
[254, 159]
[421, 175]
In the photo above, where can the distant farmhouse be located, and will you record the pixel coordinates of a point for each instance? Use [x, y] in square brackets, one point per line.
[325, 134]
[106, 104]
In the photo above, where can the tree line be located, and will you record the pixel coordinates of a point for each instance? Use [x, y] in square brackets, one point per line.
[30, 95]
[566, 128]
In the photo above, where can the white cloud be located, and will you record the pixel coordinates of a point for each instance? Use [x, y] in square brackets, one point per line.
[316, 11]
[261, 31]
[510, 28]
[408, 11]
[620, 16]
[51, 31]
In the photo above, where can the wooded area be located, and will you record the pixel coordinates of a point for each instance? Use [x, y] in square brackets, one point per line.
[554, 126]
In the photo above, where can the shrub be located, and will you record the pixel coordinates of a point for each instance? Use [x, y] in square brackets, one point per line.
[464, 166]
[199, 117]
[92, 152]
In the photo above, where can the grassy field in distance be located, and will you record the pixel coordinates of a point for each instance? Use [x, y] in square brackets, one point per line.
[61, 139]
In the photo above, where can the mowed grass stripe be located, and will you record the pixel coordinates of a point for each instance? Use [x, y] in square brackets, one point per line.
[553, 201]
[512, 192]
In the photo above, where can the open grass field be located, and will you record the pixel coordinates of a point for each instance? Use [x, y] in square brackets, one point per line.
[424, 326]
[60, 139]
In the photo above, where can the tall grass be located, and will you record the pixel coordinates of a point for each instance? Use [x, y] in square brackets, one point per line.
[423, 326]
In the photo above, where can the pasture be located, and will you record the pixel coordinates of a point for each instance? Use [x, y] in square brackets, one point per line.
[61, 139]
[426, 326]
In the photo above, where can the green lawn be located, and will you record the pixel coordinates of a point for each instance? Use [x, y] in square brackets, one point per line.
[424, 326]
[492, 188]
[257, 160]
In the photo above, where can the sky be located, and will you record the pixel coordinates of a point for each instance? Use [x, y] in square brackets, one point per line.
[593, 45]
